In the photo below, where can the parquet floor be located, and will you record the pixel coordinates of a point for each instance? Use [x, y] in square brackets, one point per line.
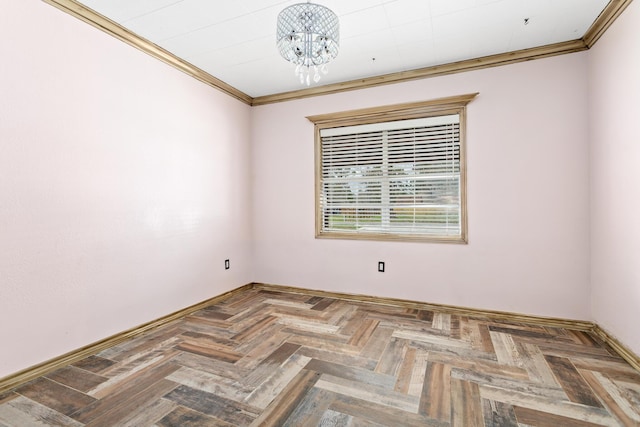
[266, 358]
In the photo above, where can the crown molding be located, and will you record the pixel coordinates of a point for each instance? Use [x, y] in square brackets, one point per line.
[433, 71]
[604, 21]
[114, 29]
[610, 13]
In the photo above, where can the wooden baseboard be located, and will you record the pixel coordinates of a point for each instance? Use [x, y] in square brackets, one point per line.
[33, 372]
[624, 351]
[73, 356]
[580, 325]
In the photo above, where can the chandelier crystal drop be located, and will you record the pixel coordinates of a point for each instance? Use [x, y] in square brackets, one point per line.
[308, 35]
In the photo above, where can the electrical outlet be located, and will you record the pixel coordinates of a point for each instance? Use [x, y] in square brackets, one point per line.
[226, 264]
[381, 266]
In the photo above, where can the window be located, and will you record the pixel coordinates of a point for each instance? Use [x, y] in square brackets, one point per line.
[393, 173]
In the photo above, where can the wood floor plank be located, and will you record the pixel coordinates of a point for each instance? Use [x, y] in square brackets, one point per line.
[466, 404]
[575, 350]
[322, 336]
[254, 328]
[280, 355]
[425, 315]
[211, 352]
[528, 387]
[5, 397]
[26, 412]
[230, 411]
[313, 300]
[418, 374]
[211, 313]
[283, 406]
[363, 333]
[498, 414]
[149, 415]
[522, 333]
[454, 352]
[455, 327]
[312, 409]
[551, 406]
[572, 382]
[489, 367]
[435, 401]
[536, 365]
[352, 320]
[264, 394]
[616, 370]
[213, 366]
[122, 374]
[392, 356]
[340, 313]
[95, 364]
[405, 373]
[375, 394]
[544, 419]
[583, 338]
[141, 344]
[330, 356]
[627, 412]
[470, 332]
[377, 343]
[442, 321]
[211, 338]
[122, 413]
[355, 374]
[485, 336]
[258, 351]
[211, 383]
[125, 392]
[323, 304]
[185, 417]
[56, 396]
[320, 344]
[77, 378]
[308, 325]
[387, 416]
[505, 349]
[274, 358]
[334, 419]
[432, 339]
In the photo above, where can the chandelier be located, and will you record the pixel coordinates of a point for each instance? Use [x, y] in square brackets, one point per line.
[308, 35]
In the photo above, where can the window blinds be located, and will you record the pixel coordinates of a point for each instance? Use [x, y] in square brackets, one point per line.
[400, 177]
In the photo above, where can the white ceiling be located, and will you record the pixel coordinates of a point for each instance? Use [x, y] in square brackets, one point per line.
[235, 40]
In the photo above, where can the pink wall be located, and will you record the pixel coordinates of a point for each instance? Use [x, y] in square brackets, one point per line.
[614, 92]
[123, 186]
[528, 248]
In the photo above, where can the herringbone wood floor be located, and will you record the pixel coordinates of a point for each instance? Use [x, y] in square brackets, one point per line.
[279, 359]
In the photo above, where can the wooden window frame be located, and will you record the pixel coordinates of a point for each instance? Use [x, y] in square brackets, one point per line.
[414, 110]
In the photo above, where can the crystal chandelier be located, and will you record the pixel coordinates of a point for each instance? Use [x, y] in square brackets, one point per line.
[309, 36]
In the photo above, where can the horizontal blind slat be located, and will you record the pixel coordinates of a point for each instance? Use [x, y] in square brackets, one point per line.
[393, 177]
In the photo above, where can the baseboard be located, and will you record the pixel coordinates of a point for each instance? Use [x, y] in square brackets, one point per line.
[580, 325]
[624, 351]
[73, 356]
[44, 368]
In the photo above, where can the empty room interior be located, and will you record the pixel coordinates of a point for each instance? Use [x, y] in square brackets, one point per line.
[178, 246]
